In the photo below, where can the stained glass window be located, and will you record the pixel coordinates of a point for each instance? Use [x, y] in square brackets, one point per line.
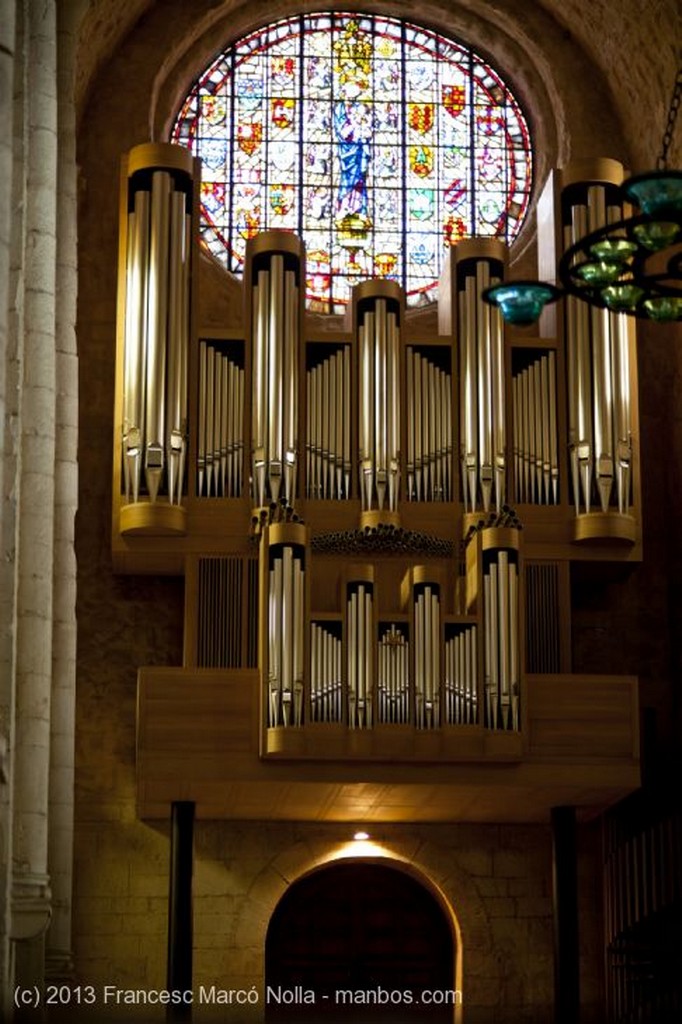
[379, 142]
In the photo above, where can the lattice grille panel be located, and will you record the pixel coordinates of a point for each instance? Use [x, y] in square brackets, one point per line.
[220, 612]
[543, 611]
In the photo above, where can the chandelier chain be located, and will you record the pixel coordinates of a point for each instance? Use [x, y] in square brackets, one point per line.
[662, 163]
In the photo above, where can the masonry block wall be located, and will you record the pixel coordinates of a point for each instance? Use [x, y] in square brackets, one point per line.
[496, 879]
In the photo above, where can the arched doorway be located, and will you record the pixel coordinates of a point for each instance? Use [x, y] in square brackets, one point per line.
[359, 942]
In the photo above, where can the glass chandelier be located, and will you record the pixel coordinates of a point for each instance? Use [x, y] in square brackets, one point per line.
[632, 266]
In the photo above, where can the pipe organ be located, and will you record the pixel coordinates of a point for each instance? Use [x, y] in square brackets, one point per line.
[393, 674]
[599, 359]
[393, 607]
[461, 676]
[378, 334]
[283, 619]
[429, 426]
[326, 674]
[483, 441]
[275, 310]
[599, 391]
[360, 653]
[328, 425]
[501, 624]
[156, 287]
[220, 436]
[534, 431]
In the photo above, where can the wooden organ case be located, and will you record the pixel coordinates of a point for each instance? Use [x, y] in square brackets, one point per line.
[376, 527]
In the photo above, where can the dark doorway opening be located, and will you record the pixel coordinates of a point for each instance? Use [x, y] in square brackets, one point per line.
[359, 942]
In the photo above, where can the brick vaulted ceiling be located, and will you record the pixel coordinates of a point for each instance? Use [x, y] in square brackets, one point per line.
[632, 48]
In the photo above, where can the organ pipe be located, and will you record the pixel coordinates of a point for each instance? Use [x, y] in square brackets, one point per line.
[479, 264]
[427, 658]
[597, 352]
[326, 695]
[274, 317]
[501, 628]
[135, 355]
[328, 425]
[535, 431]
[461, 676]
[429, 417]
[602, 381]
[220, 443]
[393, 682]
[157, 312]
[157, 333]
[378, 307]
[284, 583]
[360, 654]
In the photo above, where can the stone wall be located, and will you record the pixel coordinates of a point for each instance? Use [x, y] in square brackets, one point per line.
[495, 881]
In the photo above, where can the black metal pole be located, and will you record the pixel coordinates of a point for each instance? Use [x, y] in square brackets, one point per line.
[179, 971]
[565, 906]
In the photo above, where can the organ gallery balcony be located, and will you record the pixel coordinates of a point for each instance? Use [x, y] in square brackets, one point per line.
[201, 737]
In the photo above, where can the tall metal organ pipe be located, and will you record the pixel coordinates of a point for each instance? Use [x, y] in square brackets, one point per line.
[328, 405]
[220, 442]
[326, 696]
[360, 653]
[157, 320]
[393, 675]
[461, 676]
[429, 428]
[275, 318]
[427, 657]
[285, 628]
[479, 264]
[502, 662]
[598, 358]
[535, 431]
[378, 312]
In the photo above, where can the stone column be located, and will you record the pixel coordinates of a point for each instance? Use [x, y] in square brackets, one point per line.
[59, 963]
[7, 48]
[35, 501]
[180, 916]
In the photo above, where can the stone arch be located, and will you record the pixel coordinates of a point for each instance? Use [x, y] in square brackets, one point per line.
[426, 862]
[362, 925]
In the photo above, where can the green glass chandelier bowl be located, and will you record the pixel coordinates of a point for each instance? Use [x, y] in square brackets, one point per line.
[663, 308]
[618, 250]
[521, 302]
[657, 193]
[599, 273]
[622, 298]
[655, 235]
